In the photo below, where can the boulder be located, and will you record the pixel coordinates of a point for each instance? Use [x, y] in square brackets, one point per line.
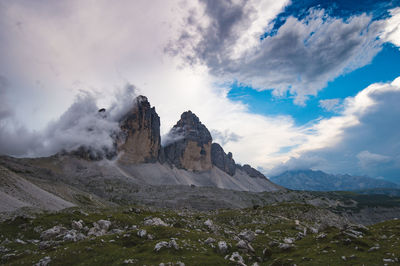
[77, 225]
[53, 232]
[160, 245]
[44, 261]
[222, 247]
[155, 222]
[209, 241]
[235, 257]
[104, 224]
[141, 233]
[247, 235]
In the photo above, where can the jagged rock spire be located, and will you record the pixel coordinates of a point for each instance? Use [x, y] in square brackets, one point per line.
[140, 138]
[222, 160]
[192, 150]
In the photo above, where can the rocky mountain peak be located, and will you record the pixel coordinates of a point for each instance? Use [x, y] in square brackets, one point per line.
[192, 149]
[140, 138]
[190, 127]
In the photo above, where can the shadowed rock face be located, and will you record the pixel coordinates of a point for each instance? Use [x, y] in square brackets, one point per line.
[222, 160]
[193, 150]
[140, 140]
[250, 171]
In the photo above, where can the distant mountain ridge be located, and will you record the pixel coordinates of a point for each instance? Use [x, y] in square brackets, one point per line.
[321, 181]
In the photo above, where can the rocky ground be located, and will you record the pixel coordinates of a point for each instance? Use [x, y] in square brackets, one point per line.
[277, 234]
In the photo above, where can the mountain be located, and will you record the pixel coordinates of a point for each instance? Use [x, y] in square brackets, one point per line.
[321, 181]
[132, 169]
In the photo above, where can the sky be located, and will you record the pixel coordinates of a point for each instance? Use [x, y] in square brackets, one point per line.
[283, 85]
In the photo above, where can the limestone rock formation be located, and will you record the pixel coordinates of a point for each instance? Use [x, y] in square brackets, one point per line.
[222, 160]
[192, 148]
[140, 140]
[250, 171]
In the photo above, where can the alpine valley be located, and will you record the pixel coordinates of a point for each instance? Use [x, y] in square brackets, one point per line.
[185, 201]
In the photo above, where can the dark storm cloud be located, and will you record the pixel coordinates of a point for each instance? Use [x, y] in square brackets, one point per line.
[226, 19]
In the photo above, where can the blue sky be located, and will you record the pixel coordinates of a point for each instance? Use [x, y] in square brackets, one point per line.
[384, 67]
[283, 85]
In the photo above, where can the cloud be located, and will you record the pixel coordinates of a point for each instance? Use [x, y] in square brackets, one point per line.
[224, 137]
[5, 110]
[368, 159]
[391, 31]
[53, 50]
[362, 139]
[80, 125]
[301, 58]
[330, 104]
[171, 137]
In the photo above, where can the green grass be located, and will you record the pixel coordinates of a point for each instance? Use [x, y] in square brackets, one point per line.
[277, 221]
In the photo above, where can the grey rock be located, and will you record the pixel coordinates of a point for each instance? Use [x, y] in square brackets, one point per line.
[289, 240]
[96, 230]
[209, 240]
[116, 231]
[44, 262]
[155, 222]
[374, 248]
[285, 246]
[73, 236]
[188, 129]
[140, 133]
[77, 225]
[130, 261]
[54, 232]
[388, 260]
[160, 245]
[247, 235]
[241, 244]
[19, 241]
[104, 224]
[222, 247]
[244, 246]
[222, 160]
[235, 257]
[47, 244]
[210, 225]
[250, 171]
[172, 244]
[141, 233]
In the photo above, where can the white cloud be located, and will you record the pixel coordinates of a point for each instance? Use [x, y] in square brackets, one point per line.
[97, 47]
[362, 139]
[330, 104]
[80, 125]
[391, 31]
[368, 159]
[301, 58]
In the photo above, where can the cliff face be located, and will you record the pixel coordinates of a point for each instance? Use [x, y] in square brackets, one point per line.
[192, 150]
[222, 160]
[140, 137]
